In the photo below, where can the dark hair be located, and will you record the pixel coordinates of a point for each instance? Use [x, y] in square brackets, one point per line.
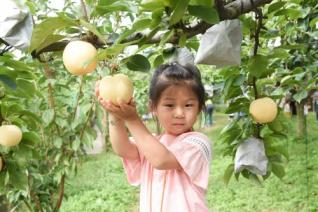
[175, 74]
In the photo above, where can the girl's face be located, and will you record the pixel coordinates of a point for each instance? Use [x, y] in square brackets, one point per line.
[177, 109]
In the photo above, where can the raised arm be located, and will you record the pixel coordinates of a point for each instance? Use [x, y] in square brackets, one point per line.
[118, 135]
[155, 152]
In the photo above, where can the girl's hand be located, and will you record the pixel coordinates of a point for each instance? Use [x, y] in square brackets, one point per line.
[124, 111]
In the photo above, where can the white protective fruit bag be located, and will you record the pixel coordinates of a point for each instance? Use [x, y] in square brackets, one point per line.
[16, 24]
[250, 155]
[220, 45]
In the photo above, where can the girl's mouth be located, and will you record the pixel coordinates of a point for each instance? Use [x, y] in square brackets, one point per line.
[178, 124]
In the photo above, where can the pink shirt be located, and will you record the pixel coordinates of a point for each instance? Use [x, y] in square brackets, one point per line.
[184, 190]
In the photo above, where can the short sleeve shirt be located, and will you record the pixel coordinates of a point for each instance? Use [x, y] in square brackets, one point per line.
[182, 190]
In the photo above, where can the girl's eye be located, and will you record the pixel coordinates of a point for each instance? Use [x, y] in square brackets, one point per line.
[189, 105]
[169, 105]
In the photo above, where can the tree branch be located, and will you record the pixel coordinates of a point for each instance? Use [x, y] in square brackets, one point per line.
[61, 194]
[259, 23]
[239, 7]
[228, 11]
[219, 5]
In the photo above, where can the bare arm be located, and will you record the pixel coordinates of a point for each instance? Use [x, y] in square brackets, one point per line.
[118, 135]
[119, 139]
[155, 152]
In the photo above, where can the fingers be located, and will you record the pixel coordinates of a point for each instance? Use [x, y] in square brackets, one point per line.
[109, 106]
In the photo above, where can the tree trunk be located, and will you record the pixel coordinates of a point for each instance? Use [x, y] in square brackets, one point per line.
[301, 120]
[3, 206]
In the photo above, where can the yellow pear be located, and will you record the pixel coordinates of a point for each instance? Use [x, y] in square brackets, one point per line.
[263, 110]
[10, 135]
[116, 88]
[79, 57]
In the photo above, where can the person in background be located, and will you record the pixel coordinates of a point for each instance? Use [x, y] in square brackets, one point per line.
[209, 112]
[316, 108]
[286, 109]
[172, 168]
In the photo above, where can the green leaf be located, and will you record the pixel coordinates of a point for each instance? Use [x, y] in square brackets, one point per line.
[286, 79]
[182, 40]
[24, 152]
[48, 116]
[116, 6]
[178, 11]
[230, 90]
[76, 144]
[245, 173]
[62, 122]
[254, 178]
[279, 53]
[138, 62]
[89, 136]
[152, 5]
[228, 85]
[290, 12]
[26, 86]
[158, 61]
[281, 149]
[228, 173]
[313, 22]
[208, 14]
[166, 37]
[278, 170]
[17, 177]
[207, 3]
[294, 46]
[279, 124]
[300, 95]
[30, 138]
[7, 178]
[257, 66]
[230, 133]
[8, 81]
[300, 76]
[31, 115]
[47, 28]
[238, 105]
[274, 138]
[141, 24]
[114, 50]
[275, 6]
[193, 44]
[93, 29]
[58, 142]
[49, 40]
[156, 19]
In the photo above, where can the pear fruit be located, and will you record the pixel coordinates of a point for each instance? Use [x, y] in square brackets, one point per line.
[80, 57]
[263, 110]
[116, 88]
[10, 135]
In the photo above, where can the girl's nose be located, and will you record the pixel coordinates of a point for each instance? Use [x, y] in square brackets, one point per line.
[179, 113]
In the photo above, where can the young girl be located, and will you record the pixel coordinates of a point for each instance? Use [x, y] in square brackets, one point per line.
[172, 168]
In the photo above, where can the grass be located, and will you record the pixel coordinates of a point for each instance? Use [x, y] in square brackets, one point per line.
[101, 185]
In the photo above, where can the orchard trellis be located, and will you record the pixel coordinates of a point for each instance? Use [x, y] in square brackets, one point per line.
[56, 111]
